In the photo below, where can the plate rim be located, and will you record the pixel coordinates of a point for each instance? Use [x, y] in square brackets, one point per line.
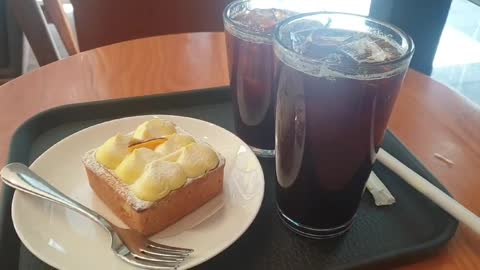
[217, 251]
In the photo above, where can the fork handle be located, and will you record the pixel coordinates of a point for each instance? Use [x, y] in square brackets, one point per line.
[20, 177]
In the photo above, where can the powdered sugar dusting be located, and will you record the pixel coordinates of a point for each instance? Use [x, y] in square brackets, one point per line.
[160, 170]
[124, 190]
[119, 187]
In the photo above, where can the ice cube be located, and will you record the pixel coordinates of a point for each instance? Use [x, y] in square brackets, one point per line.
[281, 14]
[330, 37]
[319, 43]
[392, 49]
[261, 20]
[301, 35]
[300, 40]
[265, 18]
[364, 49]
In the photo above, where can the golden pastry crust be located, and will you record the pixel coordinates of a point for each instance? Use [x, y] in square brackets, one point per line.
[164, 212]
[151, 217]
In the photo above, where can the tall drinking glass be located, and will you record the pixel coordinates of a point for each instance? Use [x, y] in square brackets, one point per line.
[248, 30]
[337, 77]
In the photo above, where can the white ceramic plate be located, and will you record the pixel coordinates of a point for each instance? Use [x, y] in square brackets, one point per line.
[67, 240]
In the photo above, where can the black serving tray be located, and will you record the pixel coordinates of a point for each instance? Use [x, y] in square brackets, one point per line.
[409, 230]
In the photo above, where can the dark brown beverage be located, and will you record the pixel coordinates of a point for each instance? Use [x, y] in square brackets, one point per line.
[250, 58]
[251, 78]
[331, 116]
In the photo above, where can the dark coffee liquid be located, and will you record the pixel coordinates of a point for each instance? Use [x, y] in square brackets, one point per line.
[251, 77]
[328, 131]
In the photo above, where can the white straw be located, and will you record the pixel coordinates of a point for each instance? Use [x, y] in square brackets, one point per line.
[446, 202]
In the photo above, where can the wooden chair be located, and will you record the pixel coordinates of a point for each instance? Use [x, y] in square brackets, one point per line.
[10, 44]
[103, 22]
[33, 18]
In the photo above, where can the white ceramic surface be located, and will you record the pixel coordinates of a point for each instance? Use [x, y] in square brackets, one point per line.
[67, 240]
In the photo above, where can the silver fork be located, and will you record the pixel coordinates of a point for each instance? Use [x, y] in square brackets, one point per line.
[127, 244]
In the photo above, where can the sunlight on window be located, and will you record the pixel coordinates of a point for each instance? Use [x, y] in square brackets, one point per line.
[68, 8]
[456, 48]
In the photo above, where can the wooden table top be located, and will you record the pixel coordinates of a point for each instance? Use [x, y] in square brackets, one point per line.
[428, 117]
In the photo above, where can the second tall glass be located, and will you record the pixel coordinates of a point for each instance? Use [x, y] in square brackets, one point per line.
[338, 76]
[248, 28]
